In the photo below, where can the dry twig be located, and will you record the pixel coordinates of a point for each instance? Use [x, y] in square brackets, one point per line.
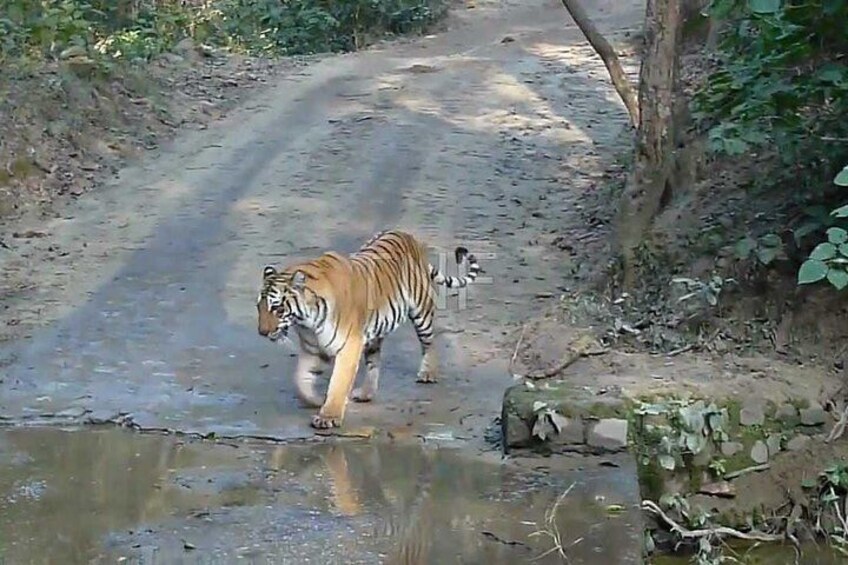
[552, 530]
[515, 352]
[839, 428]
[686, 533]
[746, 470]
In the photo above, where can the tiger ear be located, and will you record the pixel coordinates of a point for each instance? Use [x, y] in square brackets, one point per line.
[298, 280]
[269, 270]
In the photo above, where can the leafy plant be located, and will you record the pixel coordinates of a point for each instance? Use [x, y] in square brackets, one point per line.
[779, 93]
[766, 248]
[547, 420]
[829, 260]
[136, 31]
[691, 426]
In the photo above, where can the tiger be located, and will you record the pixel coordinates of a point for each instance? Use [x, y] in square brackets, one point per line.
[342, 308]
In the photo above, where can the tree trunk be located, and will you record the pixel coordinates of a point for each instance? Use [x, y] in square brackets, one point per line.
[652, 177]
[608, 56]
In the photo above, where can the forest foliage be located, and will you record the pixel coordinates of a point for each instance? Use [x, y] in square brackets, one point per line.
[780, 88]
[137, 30]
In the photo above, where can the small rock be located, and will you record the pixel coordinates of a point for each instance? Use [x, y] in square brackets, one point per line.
[173, 58]
[82, 67]
[507, 39]
[571, 432]
[608, 434]
[773, 443]
[731, 448]
[516, 432]
[813, 416]
[752, 413]
[723, 489]
[798, 442]
[72, 413]
[185, 46]
[786, 413]
[73, 51]
[760, 452]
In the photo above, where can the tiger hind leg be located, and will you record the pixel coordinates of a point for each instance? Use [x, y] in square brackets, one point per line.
[368, 390]
[422, 318]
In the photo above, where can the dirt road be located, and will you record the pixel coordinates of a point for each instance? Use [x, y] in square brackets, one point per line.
[137, 305]
[485, 135]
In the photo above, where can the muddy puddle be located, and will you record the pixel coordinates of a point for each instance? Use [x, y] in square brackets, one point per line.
[113, 496]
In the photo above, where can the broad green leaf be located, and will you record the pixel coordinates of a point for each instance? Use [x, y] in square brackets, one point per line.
[843, 249]
[744, 247]
[764, 6]
[837, 235]
[667, 462]
[539, 405]
[767, 254]
[842, 211]
[717, 421]
[693, 418]
[838, 278]
[559, 421]
[771, 240]
[812, 270]
[541, 428]
[824, 251]
[734, 146]
[833, 74]
[695, 443]
[804, 230]
[842, 178]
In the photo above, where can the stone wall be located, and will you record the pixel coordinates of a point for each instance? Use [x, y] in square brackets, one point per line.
[704, 449]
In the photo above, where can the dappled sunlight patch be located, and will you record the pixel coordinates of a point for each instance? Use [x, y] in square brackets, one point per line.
[506, 103]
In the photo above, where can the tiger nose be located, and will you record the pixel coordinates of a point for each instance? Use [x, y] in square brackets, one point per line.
[263, 331]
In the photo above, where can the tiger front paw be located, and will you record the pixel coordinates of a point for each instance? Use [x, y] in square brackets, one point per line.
[320, 422]
[427, 377]
[362, 395]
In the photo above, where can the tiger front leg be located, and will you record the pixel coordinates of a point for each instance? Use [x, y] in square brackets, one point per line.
[309, 366]
[332, 412]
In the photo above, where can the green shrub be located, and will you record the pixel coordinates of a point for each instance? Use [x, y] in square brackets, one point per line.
[138, 30]
[781, 88]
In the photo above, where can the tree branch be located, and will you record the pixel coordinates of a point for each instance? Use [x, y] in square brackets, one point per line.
[607, 53]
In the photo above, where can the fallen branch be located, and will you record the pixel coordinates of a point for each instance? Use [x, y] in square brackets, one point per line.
[570, 358]
[680, 350]
[686, 533]
[746, 470]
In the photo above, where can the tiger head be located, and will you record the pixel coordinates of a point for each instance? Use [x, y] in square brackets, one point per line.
[280, 302]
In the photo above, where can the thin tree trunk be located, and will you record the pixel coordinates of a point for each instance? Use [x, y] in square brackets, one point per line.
[652, 175]
[607, 54]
